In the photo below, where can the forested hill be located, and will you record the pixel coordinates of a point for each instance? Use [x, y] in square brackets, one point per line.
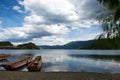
[6, 43]
[105, 44]
[9, 45]
[28, 46]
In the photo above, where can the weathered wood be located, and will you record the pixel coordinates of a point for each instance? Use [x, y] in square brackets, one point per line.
[17, 64]
[4, 56]
[36, 64]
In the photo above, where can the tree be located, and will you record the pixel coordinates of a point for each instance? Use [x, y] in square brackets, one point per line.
[111, 24]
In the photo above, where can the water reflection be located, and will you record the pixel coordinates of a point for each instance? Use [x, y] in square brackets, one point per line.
[97, 56]
[72, 60]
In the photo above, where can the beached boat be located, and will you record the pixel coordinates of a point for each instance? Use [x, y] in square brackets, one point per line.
[17, 64]
[4, 56]
[36, 64]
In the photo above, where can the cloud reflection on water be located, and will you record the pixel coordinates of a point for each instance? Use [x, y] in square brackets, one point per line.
[60, 60]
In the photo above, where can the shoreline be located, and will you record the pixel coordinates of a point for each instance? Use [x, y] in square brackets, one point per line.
[19, 75]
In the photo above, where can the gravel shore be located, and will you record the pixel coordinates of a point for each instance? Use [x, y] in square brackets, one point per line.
[16, 75]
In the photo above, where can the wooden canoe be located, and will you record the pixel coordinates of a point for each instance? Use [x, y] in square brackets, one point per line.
[17, 64]
[36, 64]
[4, 56]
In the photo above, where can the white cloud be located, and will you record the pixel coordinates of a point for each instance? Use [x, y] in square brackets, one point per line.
[53, 11]
[29, 32]
[57, 29]
[48, 18]
[51, 40]
[89, 9]
[69, 12]
[87, 23]
[34, 19]
[17, 8]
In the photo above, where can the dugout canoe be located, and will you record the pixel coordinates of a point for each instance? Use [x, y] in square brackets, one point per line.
[17, 64]
[4, 56]
[35, 65]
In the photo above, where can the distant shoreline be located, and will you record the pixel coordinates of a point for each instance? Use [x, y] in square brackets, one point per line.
[18, 75]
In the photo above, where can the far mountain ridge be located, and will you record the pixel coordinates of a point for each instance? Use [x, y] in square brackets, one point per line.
[71, 45]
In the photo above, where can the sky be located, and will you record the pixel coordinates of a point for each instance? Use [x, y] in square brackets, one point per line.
[50, 22]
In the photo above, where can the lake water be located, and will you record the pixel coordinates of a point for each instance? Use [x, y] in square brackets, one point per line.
[108, 61]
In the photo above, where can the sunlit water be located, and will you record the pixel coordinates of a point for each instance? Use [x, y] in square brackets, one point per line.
[69, 60]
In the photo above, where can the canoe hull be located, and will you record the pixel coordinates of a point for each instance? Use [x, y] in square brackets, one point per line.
[36, 64]
[4, 56]
[17, 64]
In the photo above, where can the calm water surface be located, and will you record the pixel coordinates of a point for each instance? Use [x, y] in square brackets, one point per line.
[71, 60]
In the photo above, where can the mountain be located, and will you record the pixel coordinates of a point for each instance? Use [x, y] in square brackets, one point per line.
[78, 44]
[50, 47]
[71, 45]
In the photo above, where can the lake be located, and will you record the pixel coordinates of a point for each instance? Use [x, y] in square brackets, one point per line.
[101, 61]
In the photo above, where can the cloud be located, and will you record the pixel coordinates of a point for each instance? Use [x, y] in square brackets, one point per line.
[59, 11]
[58, 18]
[89, 9]
[51, 40]
[17, 8]
[62, 11]
[34, 19]
[85, 23]
[28, 32]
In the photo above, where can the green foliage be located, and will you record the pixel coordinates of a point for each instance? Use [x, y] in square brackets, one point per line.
[106, 44]
[111, 29]
[113, 5]
[111, 24]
